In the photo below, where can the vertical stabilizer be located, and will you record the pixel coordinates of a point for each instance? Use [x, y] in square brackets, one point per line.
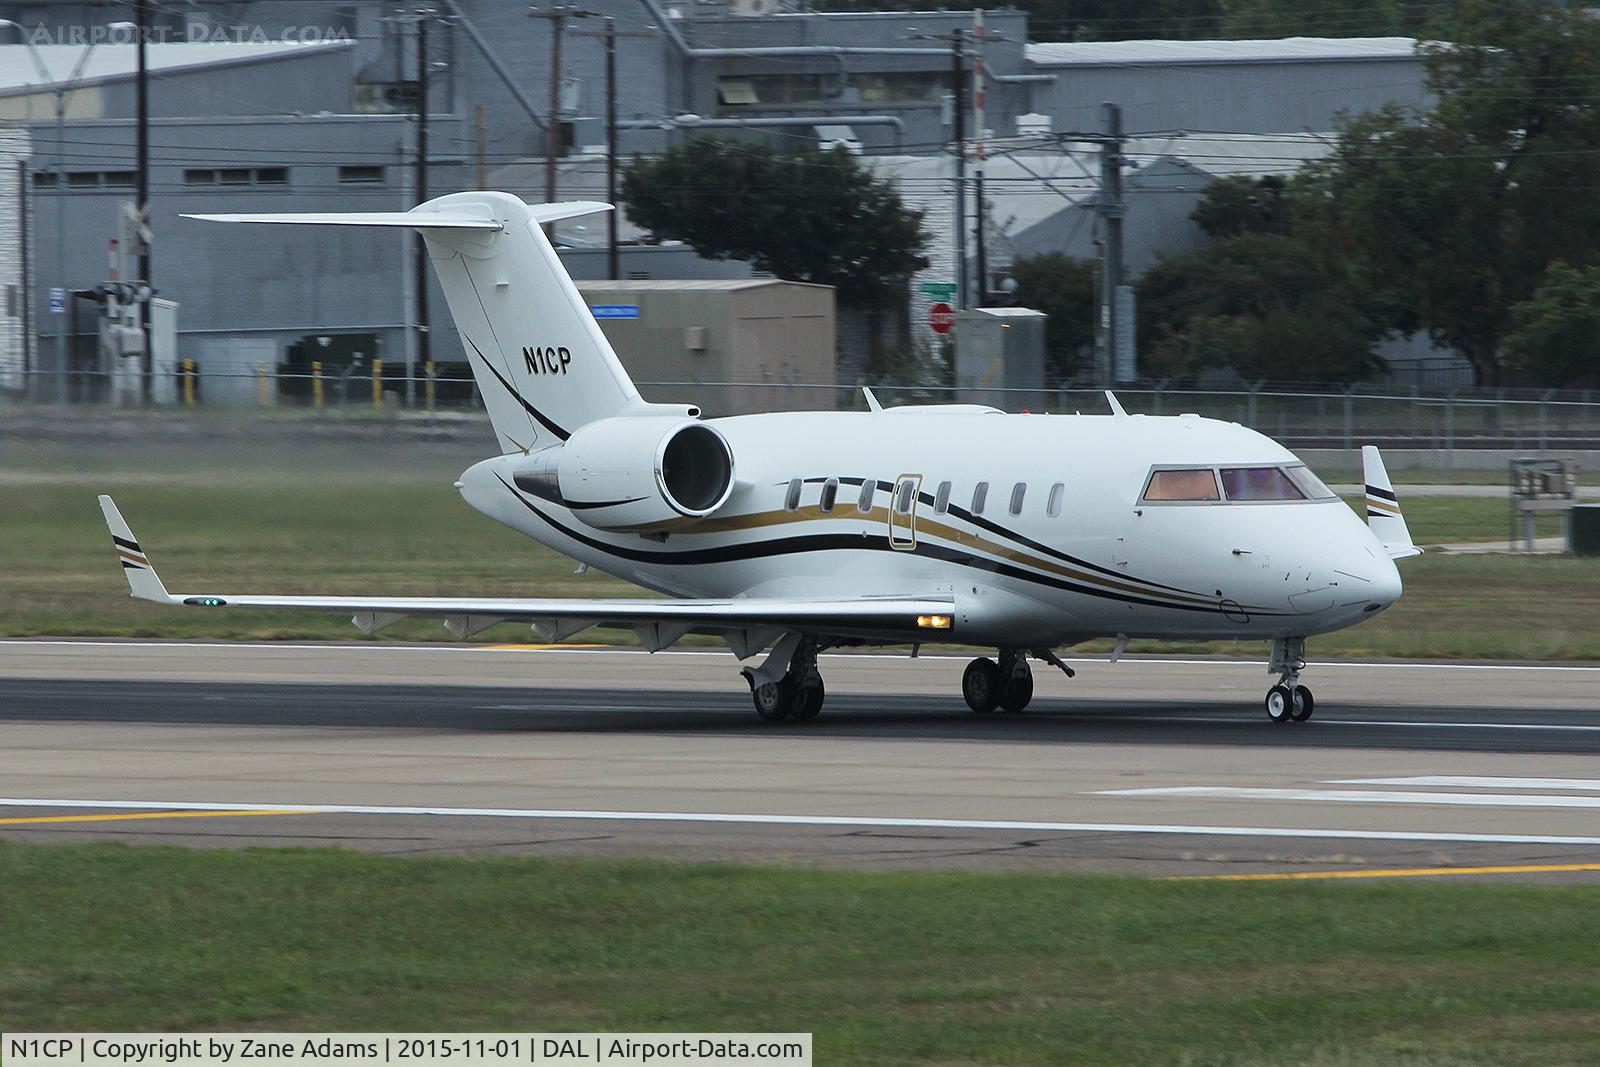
[1383, 507]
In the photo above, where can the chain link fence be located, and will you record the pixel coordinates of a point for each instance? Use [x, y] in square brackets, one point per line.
[1303, 417]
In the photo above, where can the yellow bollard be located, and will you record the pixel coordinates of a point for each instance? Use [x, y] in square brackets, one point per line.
[377, 384]
[188, 383]
[261, 384]
[427, 368]
[316, 384]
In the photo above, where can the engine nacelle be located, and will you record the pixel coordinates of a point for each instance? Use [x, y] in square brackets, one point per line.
[634, 473]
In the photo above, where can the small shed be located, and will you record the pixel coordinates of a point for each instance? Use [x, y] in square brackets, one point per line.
[710, 332]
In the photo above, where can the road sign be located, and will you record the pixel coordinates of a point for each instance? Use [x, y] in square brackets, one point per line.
[615, 311]
[941, 318]
[938, 290]
[58, 300]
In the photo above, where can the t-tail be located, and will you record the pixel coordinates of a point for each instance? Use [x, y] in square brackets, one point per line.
[542, 365]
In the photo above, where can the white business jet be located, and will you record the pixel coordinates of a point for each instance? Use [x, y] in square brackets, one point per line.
[798, 532]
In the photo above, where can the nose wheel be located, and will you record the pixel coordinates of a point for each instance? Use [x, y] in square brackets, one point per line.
[1288, 701]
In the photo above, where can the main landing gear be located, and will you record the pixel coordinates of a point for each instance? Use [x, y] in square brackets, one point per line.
[798, 692]
[1004, 686]
[1288, 701]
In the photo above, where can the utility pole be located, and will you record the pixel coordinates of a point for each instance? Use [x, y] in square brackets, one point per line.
[419, 270]
[958, 137]
[610, 35]
[1111, 211]
[479, 125]
[980, 37]
[552, 134]
[142, 192]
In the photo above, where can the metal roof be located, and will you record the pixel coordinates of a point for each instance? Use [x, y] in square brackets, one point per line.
[115, 60]
[1158, 53]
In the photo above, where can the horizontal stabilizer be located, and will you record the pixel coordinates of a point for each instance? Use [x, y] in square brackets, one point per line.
[417, 218]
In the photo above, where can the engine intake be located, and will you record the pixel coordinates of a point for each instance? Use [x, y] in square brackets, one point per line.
[634, 473]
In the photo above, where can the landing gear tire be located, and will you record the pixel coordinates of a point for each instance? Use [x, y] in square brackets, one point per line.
[1301, 709]
[774, 701]
[982, 685]
[1280, 703]
[806, 703]
[1017, 689]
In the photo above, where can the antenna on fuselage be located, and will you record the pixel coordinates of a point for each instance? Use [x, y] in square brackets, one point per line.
[1116, 408]
[872, 401]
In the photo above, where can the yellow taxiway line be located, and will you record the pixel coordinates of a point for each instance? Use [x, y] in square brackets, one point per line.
[146, 815]
[1412, 872]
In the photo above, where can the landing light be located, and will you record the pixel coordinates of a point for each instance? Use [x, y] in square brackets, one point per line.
[934, 622]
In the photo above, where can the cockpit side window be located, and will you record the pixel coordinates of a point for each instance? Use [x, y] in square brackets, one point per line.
[1259, 483]
[1182, 485]
[1309, 483]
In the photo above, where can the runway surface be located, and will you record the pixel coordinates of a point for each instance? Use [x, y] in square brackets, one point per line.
[1163, 767]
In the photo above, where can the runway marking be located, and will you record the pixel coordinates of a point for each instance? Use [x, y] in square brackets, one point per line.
[579, 650]
[1585, 785]
[1459, 725]
[150, 815]
[1416, 872]
[1359, 796]
[827, 820]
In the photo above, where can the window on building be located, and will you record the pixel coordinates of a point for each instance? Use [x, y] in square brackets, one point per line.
[199, 176]
[119, 179]
[1052, 506]
[980, 493]
[360, 175]
[83, 179]
[830, 492]
[234, 176]
[736, 91]
[44, 179]
[941, 499]
[864, 501]
[1018, 491]
[272, 175]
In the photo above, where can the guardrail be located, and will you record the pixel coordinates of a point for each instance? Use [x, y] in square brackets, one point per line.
[1304, 417]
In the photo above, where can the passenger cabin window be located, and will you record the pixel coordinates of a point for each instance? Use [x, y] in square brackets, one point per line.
[905, 496]
[830, 493]
[1052, 506]
[792, 501]
[980, 493]
[941, 499]
[1018, 491]
[1188, 485]
[864, 502]
[1259, 483]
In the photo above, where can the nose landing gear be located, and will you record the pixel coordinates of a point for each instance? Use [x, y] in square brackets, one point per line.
[1288, 701]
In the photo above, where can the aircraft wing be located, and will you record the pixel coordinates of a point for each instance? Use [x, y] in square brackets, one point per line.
[748, 623]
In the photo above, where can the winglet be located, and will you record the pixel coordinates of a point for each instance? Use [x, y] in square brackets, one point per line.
[1116, 405]
[142, 580]
[1383, 507]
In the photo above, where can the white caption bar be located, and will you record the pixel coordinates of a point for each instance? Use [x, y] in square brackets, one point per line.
[420, 1050]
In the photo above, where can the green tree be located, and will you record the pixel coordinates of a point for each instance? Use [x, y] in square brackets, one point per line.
[1268, 305]
[1062, 288]
[1238, 205]
[1555, 336]
[1317, 18]
[1449, 219]
[803, 214]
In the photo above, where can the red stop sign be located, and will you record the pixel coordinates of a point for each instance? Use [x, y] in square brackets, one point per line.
[941, 318]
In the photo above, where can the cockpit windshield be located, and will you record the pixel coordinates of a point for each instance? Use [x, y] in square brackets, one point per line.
[1202, 485]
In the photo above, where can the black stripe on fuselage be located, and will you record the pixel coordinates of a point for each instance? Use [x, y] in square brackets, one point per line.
[586, 505]
[529, 408]
[831, 542]
[1022, 539]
